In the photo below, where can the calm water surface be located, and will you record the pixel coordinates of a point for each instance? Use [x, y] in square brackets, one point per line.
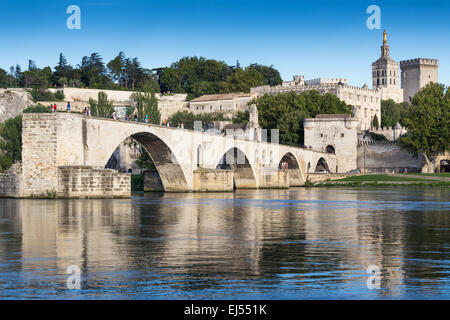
[259, 244]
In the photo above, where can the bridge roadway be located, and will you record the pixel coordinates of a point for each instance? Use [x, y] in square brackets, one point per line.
[51, 141]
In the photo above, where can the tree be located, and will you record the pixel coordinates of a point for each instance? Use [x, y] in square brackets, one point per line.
[375, 123]
[147, 104]
[271, 76]
[188, 119]
[241, 117]
[11, 139]
[428, 124]
[101, 108]
[116, 67]
[286, 112]
[392, 113]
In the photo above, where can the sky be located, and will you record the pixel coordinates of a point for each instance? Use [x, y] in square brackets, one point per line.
[312, 38]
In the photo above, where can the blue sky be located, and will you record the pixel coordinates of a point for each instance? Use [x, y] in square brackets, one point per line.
[313, 38]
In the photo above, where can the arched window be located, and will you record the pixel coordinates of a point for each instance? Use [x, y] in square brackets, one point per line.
[330, 149]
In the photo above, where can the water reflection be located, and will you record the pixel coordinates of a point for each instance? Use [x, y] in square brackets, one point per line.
[287, 244]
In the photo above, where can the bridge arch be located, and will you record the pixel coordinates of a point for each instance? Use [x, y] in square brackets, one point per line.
[168, 166]
[322, 165]
[296, 178]
[244, 175]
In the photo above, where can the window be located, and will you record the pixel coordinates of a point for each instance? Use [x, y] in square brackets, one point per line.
[378, 81]
[358, 96]
[342, 135]
[321, 135]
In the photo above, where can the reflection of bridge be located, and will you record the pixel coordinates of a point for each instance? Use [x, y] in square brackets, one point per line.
[58, 146]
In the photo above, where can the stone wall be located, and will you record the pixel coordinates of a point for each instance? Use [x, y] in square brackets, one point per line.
[213, 180]
[152, 182]
[278, 179]
[320, 177]
[384, 157]
[80, 181]
[10, 182]
[39, 154]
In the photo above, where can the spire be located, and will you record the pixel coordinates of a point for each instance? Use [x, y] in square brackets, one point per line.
[385, 46]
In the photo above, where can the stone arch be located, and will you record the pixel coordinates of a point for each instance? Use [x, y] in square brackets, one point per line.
[296, 178]
[330, 149]
[322, 165]
[235, 159]
[172, 176]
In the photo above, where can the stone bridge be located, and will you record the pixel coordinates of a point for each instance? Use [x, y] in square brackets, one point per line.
[65, 155]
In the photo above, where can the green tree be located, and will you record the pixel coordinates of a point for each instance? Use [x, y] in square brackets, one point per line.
[188, 118]
[101, 108]
[286, 112]
[271, 76]
[375, 123]
[11, 138]
[428, 124]
[37, 109]
[392, 113]
[147, 104]
[241, 117]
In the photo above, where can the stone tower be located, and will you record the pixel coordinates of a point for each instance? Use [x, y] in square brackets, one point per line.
[385, 74]
[417, 73]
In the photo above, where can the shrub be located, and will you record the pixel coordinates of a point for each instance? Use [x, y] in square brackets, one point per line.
[37, 109]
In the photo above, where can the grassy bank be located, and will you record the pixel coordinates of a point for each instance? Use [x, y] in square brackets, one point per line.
[380, 177]
[381, 180]
[439, 184]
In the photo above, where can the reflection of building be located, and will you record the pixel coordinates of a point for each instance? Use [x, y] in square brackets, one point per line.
[58, 234]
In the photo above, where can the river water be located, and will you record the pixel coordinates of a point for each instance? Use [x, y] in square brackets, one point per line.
[256, 244]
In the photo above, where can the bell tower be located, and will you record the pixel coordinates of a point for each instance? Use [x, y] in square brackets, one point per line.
[385, 74]
[385, 71]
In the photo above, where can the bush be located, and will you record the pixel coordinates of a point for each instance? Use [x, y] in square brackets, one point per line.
[377, 137]
[5, 162]
[45, 95]
[11, 138]
[37, 109]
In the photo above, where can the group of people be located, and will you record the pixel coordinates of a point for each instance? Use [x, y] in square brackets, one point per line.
[284, 165]
[133, 117]
[87, 111]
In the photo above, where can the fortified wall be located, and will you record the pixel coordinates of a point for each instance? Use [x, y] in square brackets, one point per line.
[385, 157]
